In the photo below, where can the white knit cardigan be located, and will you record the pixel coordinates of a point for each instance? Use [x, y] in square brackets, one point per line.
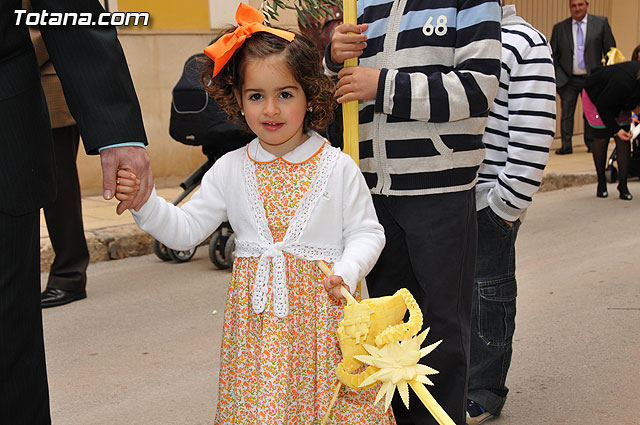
[335, 221]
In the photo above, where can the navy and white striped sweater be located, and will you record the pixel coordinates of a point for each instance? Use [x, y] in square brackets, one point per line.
[521, 123]
[439, 62]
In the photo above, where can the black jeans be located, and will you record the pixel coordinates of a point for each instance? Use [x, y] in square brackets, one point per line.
[431, 250]
[494, 311]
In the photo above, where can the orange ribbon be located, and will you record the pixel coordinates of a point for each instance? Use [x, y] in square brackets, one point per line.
[249, 22]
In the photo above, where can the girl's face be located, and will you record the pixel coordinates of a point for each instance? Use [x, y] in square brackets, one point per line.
[274, 104]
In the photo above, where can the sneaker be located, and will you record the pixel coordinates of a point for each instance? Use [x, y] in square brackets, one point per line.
[476, 414]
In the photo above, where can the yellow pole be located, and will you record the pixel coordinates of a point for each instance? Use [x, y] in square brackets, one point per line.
[431, 404]
[350, 300]
[350, 109]
[333, 401]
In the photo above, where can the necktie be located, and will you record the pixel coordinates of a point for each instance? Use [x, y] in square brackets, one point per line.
[580, 46]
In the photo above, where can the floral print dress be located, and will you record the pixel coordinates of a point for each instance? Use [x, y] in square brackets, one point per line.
[280, 371]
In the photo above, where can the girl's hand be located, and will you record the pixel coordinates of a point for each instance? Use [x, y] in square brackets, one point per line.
[127, 185]
[333, 284]
[623, 135]
[348, 41]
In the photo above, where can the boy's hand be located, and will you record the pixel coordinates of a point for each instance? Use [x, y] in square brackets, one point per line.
[357, 83]
[333, 284]
[348, 41]
[127, 185]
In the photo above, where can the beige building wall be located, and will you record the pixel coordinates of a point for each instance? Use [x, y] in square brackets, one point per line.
[156, 56]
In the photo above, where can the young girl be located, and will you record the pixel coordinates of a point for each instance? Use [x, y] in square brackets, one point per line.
[291, 199]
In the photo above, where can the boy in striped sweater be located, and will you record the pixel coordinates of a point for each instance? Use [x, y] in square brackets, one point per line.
[520, 129]
[427, 76]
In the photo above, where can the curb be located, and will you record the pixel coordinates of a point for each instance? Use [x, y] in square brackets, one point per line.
[107, 243]
[117, 242]
[556, 181]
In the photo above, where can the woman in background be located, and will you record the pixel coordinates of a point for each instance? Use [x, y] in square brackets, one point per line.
[610, 95]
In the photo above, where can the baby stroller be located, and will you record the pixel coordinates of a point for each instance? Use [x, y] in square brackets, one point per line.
[197, 120]
[634, 161]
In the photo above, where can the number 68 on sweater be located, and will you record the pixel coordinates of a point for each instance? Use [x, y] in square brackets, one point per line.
[440, 29]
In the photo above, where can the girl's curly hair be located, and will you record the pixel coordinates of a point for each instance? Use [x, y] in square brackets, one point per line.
[304, 61]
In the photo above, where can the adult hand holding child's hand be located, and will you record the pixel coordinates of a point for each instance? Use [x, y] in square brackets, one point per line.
[133, 159]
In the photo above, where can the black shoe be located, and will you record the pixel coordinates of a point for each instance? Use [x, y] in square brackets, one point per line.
[624, 193]
[52, 297]
[563, 151]
[601, 191]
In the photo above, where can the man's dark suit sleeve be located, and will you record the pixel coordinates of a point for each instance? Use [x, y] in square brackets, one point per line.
[608, 41]
[95, 77]
[561, 75]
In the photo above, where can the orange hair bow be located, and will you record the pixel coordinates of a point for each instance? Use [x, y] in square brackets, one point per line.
[249, 22]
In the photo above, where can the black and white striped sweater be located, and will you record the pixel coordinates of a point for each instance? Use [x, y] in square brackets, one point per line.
[439, 62]
[521, 123]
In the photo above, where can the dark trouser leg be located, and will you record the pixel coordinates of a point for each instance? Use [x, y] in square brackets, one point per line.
[64, 217]
[24, 393]
[623, 155]
[600, 161]
[494, 311]
[431, 250]
[568, 99]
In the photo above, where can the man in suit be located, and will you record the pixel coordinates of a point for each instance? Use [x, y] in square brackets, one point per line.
[579, 44]
[68, 273]
[100, 94]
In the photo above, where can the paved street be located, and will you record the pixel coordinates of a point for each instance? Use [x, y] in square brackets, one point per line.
[143, 348]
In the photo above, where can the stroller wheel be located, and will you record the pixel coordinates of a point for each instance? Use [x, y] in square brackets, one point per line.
[216, 250]
[229, 247]
[181, 256]
[611, 173]
[161, 251]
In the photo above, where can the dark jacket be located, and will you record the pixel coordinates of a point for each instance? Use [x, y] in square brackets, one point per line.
[59, 113]
[598, 42]
[97, 85]
[614, 89]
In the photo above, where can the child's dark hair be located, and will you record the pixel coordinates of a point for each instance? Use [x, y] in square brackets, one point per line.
[635, 56]
[304, 61]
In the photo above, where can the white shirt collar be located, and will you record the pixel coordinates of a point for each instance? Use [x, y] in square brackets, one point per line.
[302, 153]
[584, 20]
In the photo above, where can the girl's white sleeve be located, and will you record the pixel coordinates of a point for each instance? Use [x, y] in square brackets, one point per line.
[363, 234]
[182, 228]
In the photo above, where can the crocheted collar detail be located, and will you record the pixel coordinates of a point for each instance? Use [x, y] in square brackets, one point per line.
[310, 148]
